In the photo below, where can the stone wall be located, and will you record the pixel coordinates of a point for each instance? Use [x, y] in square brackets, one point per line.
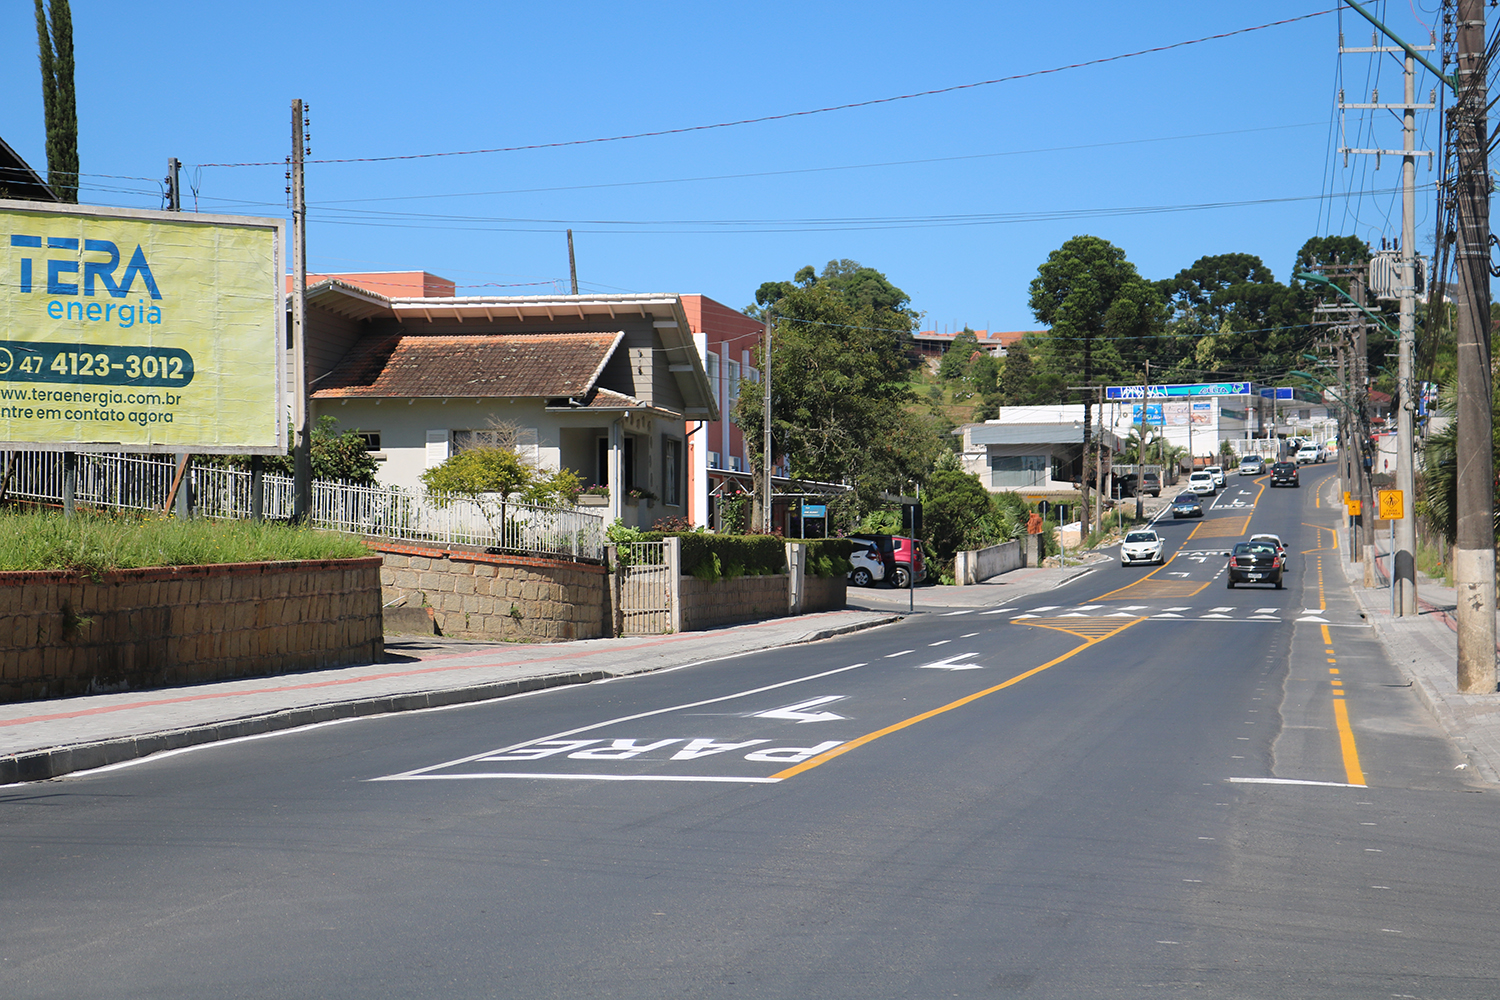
[725, 602]
[478, 595]
[63, 633]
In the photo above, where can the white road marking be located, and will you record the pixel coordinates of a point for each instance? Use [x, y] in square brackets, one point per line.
[968, 635]
[890, 656]
[1088, 607]
[1314, 618]
[940, 642]
[950, 614]
[997, 611]
[1266, 611]
[799, 713]
[954, 662]
[1047, 607]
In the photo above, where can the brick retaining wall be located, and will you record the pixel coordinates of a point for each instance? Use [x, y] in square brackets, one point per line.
[62, 633]
[487, 596]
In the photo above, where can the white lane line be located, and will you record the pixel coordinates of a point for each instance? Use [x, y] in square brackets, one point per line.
[969, 635]
[997, 611]
[891, 656]
[950, 614]
[940, 642]
[542, 775]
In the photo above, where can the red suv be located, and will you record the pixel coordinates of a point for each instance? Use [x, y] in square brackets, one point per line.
[896, 552]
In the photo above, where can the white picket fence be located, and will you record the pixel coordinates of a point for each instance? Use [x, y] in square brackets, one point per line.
[144, 482]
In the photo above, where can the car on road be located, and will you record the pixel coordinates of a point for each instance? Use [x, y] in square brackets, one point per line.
[1255, 562]
[869, 567]
[1186, 505]
[1309, 454]
[1142, 546]
[1272, 540]
[1284, 474]
[1202, 483]
[1217, 471]
[896, 552]
[1252, 465]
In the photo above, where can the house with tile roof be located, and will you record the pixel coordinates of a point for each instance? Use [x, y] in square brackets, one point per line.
[600, 384]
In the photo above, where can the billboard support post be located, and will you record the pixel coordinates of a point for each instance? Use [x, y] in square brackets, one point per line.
[302, 445]
[70, 483]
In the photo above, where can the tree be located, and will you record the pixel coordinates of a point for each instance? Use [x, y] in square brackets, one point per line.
[489, 476]
[840, 366]
[340, 457]
[1094, 300]
[55, 48]
[956, 358]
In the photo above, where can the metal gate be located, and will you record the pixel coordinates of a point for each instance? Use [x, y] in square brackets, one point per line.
[645, 588]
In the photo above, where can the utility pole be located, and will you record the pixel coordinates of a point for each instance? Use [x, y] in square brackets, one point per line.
[1403, 556]
[301, 405]
[1140, 479]
[1474, 546]
[765, 460]
[184, 459]
[572, 264]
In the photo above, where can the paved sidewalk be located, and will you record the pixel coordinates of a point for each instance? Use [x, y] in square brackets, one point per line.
[46, 739]
[1425, 648]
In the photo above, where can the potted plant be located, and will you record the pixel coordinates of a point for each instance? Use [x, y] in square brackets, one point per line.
[594, 496]
[640, 494]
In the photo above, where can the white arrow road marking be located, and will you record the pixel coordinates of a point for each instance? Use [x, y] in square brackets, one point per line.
[1175, 573]
[798, 712]
[953, 663]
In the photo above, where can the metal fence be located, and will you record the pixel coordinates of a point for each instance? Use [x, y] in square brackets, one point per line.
[136, 482]
[645, 588]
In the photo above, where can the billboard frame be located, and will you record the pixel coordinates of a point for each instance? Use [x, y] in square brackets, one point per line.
[277, 228]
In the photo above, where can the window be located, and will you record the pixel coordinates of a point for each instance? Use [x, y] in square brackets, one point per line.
[1008, 472]
[713, 376]
[437, 447]
[714, 459]
[671, 472]
[522, 440]
[733, 388]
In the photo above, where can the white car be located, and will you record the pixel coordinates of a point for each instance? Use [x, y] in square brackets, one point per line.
[1142, 546]
[1272, 540]
[1217, 471]
[868, 567]
[1202, 483]
[1309, 454]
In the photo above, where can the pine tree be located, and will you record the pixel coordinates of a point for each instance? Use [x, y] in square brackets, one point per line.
[55, 45]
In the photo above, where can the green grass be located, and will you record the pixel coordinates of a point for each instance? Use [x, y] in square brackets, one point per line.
[93, 543]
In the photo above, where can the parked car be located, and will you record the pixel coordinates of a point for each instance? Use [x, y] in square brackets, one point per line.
[1186, 505]
[1202, 483]
[1252, 465]
[1217, 471]
[1309, 454]
[1124, 485]
[1151, 483]
[1255, 562]
[1142, 546]
[1284, 474]
[869, 567]
[896, 553]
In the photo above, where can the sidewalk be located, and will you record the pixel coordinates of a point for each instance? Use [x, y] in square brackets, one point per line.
[1425, 648]
[46, 739]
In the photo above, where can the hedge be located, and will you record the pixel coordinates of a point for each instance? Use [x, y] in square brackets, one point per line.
[827, 556]
[711, 557]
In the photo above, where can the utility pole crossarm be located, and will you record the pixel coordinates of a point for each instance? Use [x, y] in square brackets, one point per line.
[1410, 50]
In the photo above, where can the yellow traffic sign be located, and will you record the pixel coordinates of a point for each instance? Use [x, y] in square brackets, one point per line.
[1347, 498]
[1392, 504]
[1354, 507]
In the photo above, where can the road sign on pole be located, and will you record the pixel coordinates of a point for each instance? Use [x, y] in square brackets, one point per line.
[1392, 504]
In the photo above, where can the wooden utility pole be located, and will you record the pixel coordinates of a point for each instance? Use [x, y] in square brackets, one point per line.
[301, 405]
[1474, 546]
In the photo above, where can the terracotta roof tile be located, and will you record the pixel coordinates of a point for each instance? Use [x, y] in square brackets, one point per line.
[492, 364]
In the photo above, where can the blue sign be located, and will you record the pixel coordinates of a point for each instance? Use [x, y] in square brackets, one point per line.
[1153, 413]
[1279, 392]
[815, 510]
[1192, 389]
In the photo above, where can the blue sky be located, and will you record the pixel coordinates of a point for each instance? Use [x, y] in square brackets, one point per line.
[957, 197]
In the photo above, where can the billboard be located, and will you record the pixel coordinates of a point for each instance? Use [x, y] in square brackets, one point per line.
[126, 330]
[1178, 389]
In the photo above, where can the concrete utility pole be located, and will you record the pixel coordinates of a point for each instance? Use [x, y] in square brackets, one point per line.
[572, 264]
[301, 405]
[1140, 479]
[1474, 546]
[765, 461]
[184, 491]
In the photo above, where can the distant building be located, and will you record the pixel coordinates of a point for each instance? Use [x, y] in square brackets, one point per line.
[996, 343]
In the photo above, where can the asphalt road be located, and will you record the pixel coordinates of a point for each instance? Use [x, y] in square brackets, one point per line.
[1144, 785]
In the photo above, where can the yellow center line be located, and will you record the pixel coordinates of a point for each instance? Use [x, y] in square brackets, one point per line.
[1346, 743]
[844, 748]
